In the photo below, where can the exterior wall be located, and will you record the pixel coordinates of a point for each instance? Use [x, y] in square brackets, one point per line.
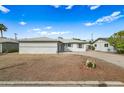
[38, 48]
[75, 48]
[0, 48]
[10, 47]
[100, 46]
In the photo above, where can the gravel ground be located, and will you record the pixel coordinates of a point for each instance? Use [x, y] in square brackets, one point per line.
[15, 67]
[117, 59]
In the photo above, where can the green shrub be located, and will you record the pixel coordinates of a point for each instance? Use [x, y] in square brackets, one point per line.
[94, 65]
[120, 51]
[90, 64]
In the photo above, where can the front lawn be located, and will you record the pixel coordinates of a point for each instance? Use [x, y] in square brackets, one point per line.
[15, 67]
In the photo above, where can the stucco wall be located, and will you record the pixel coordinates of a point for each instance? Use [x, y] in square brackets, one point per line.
[38, 48]
[101, 47]
[10, 47]
[75, 48]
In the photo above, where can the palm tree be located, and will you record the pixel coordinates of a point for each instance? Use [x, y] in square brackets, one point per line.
[2, 28]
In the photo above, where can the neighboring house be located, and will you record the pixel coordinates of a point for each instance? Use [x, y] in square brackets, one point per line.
[41, 45]
[8, 45]
[102, 44]
[73, 45]
[45, 45]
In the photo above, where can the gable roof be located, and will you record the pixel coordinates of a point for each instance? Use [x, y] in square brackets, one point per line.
[104, 39]
[46, 39]
[38, 39]
[10, 40]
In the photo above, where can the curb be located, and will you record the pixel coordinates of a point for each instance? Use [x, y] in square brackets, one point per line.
[63, 83]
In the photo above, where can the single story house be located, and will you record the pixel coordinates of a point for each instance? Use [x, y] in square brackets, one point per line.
[102, 44]
[45, 45]
[72, 45]
[8, 45]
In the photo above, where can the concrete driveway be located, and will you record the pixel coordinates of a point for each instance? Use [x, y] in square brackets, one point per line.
[116, 59]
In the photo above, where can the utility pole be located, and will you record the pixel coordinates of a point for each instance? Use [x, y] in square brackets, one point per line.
[91, 41]
[91, 37]
[15, 36]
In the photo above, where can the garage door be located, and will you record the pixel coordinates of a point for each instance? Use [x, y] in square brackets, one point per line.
[37, 48]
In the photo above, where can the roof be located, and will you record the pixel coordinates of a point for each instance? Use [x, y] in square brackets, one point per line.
[10, 40]
[38, 39]
[46, 39]
[72, 41]
[104, 39]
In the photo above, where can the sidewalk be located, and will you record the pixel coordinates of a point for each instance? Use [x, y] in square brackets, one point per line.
[64, 83]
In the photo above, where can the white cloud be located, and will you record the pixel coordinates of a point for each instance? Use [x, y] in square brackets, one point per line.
[89, 24]
[46, 33]
[106, 19]
[94, 7]
[115, 13]
[4, 9]
[36, 29]
[56, 6]
[22, 23]
[69, 7]
[48, 27]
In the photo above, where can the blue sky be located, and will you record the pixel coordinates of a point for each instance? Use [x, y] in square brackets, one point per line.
[77, 21]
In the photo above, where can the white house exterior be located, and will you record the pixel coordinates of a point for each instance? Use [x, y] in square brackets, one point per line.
[102, 44]
[42, 45]
[70, 45]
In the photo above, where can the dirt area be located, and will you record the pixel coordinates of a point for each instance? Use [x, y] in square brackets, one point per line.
[116, 59]
[15, 67]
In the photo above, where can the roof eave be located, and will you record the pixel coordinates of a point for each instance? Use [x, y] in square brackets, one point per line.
[36, 41]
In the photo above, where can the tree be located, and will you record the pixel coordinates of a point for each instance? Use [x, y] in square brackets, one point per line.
[117, 40]
[2, 28]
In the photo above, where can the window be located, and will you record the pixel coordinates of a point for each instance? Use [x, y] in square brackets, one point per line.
[95, 45]
[79, 45]
[105, 45]
[69, 45]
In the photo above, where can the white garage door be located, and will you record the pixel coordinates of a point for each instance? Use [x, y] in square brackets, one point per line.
[38, 48]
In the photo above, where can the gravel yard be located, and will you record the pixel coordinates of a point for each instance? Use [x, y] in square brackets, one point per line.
[61, 67]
